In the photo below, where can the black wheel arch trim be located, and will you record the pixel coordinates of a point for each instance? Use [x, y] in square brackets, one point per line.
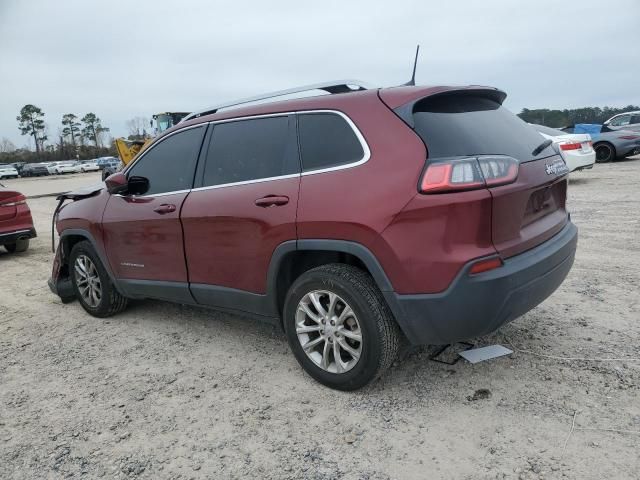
[344, 246]
[101, 255]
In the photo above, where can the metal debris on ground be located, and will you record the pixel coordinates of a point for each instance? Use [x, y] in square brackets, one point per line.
[481, 354]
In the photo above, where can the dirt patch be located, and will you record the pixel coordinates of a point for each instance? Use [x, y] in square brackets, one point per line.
[168, 391]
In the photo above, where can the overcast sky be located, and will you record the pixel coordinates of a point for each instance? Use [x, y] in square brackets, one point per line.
[121, 59]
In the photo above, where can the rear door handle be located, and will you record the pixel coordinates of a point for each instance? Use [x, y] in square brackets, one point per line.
[272, 201]
[165, 208]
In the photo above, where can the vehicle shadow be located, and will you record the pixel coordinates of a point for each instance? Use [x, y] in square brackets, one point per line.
[414, 367]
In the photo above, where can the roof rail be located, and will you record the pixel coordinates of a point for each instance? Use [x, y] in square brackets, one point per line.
[337, 86]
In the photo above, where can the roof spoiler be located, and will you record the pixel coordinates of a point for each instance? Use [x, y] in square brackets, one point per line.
[405, 111]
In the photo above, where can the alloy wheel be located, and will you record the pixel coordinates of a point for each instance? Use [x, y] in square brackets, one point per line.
[88, 281]
[328, 331]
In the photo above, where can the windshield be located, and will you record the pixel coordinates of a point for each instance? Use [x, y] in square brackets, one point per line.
[163, 122]
[460, 124]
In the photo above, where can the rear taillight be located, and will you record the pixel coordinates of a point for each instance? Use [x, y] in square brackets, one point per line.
[14, 201]
[629, 137]
[570, 146]
[468, 174]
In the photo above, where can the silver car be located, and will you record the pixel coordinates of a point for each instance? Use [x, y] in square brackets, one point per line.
[609, 144]
[624, 121]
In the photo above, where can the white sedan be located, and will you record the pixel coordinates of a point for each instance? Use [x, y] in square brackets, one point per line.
[66, 167]
[7, 171]
[89, 167]
[576, 148]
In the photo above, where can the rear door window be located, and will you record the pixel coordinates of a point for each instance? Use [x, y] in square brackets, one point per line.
[253, 149]
[458, 124]
[326, 141]
[170, 164]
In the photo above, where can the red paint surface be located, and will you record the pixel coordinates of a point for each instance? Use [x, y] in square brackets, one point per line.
[230, 239]
[142, 243]
[15, 217]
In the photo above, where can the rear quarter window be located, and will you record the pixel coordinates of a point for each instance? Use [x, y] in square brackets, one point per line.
[327, 140]
[465, 125]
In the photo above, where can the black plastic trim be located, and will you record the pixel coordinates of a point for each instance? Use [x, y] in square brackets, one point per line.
[99, 252]
[177, 292]
[353, 248]
[479, 304]
[234, 299]
[12, 237]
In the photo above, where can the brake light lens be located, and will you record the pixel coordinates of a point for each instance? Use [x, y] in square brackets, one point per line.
[13, 201]
[570, 146]
[629, 137]
[468, 174]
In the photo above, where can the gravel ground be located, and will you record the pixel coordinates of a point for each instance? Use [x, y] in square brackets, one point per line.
[168, 391]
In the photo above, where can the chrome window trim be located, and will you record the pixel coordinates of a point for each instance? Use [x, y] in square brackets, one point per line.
[366, 155]
[365, 148]
[153, 195]
[246, 182]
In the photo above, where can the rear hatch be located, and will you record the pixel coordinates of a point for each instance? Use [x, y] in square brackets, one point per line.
[473, 123]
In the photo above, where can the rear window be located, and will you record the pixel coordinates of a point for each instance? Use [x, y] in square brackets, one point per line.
[461, 125]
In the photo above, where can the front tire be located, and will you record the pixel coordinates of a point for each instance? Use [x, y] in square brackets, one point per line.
[339, 326]
[18, 247]
[91, 283]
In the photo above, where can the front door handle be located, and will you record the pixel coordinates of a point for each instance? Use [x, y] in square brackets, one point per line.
[165, 208]
[272, 201]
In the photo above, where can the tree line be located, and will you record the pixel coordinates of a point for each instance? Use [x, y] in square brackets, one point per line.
[77, 138]
[566, 117]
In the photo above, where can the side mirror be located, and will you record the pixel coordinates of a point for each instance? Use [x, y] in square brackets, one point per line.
[116, 183]
[119, 183]
[137, 185]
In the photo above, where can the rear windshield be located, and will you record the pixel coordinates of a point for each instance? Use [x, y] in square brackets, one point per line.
[461, 124]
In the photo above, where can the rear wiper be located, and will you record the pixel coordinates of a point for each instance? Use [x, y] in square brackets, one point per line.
[541, 147]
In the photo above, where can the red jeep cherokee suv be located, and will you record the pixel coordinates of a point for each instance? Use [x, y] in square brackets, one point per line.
[351, 219]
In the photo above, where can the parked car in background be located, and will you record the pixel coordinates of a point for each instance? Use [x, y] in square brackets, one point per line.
[624, 121]
[111, 169]
[51, 167]
[608, 145]
[89, 166]
[7, 171]
[16, 224]
[68, 166]
[327, 216]
[18, 166]
[107, 161]
[34, 170]
[575, 148]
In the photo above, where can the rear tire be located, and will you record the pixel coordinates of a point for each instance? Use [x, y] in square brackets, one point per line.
[91, 283]
[605, 152]
[18, 247]
[366, 340]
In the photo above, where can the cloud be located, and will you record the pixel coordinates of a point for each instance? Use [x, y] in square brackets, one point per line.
[122, 59]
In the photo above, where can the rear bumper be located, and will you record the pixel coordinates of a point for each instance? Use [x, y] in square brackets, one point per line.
[479, 304]
[13, 237]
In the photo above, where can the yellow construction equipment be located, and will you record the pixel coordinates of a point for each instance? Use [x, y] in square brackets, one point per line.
[128, 149]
